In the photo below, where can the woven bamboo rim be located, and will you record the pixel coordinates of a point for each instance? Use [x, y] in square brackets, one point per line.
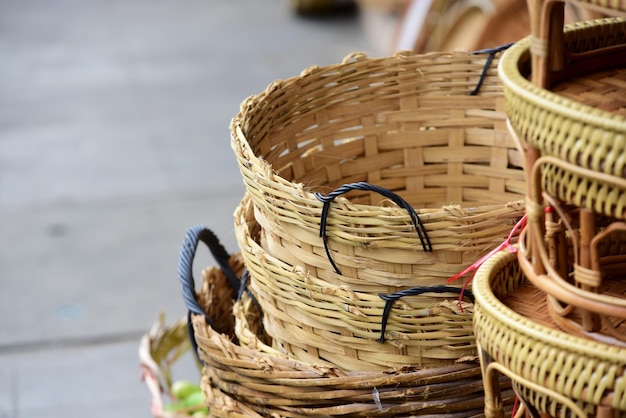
[314, 320]
[405, 123]
[568, 129]
[257, 381]
[553, 372]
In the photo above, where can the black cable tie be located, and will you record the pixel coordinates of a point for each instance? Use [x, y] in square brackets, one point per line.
[491, 55]
[414, 291]
[417, 223]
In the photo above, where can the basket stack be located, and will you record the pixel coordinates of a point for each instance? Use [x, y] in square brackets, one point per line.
[565, 96]
[372, 187]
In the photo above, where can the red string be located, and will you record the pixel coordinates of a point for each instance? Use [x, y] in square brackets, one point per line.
[474, 267]
[515, 407]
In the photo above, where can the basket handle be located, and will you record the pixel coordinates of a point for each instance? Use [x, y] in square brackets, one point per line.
[193, 237]
[417, 223]
[414, 291]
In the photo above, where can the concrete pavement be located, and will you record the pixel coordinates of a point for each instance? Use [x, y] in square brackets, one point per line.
[114, 140]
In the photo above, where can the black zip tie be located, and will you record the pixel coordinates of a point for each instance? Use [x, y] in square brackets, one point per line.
[491, 55]
[417, 223]
[185, 273]
[414, 291]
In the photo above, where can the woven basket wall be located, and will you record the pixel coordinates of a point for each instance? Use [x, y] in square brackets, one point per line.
[554, 373]
[405, 123]
[251, 379]
[316, 321]
[580, 127]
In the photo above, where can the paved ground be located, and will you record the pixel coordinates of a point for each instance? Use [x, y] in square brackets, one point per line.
[113, 141]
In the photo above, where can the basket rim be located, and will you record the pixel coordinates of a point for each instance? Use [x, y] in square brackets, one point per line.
[512, 80]
[487, 301]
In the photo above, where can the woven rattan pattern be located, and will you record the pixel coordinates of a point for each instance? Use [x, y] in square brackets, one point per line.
[557, 373]
[570, 130]
[406, 123]
[314, 320]
[253, 380]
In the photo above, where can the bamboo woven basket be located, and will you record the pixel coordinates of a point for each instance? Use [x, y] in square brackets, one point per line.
[314, 320]
[409, 126]
[553, 372]
[580, 123]
[251, 379]
[243, 376]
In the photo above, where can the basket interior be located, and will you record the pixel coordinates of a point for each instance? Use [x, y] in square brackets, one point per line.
[405, 123]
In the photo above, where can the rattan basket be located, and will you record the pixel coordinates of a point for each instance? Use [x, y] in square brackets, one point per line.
[407, 126]
[314, 320]
[582, 131]
[554, 373]
[254, 380]
[243, 376]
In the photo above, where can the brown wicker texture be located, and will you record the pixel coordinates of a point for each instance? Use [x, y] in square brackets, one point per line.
[576, 142]
[405, 123]
[159, 350]
[584, 279]
[315, 320]
[589, 141]
[554, 373]
[254, 380]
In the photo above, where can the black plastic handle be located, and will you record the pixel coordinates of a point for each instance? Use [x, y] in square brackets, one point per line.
[417, 223]
[414, 291]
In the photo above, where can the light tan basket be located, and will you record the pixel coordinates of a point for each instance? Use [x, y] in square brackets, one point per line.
[315, 321]
[554, 373]
[251, 379]
[407, 124]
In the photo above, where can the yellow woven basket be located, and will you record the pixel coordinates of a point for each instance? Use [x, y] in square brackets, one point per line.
[553, 373]
[407, 125]
[579, 126]
[314, 320]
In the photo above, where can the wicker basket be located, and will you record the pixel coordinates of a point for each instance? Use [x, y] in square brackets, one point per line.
[575, 133]
[570, 124]
[553, 373]
[243, 376]
[409, 127]
[315, 321]
[252, 379]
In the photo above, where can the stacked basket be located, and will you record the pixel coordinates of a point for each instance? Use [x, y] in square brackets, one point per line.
[360, 301]
[563, 343]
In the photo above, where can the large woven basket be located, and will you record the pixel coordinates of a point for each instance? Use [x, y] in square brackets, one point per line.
[243, 376]
[315, 320]
[251, 379]
[426, 131]
[553, 372]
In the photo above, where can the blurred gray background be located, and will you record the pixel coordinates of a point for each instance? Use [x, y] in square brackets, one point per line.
[114, 140]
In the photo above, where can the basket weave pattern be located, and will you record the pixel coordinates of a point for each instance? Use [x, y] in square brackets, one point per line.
[315, 320]
[554, 372]
[405, 123]
[251, 379]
